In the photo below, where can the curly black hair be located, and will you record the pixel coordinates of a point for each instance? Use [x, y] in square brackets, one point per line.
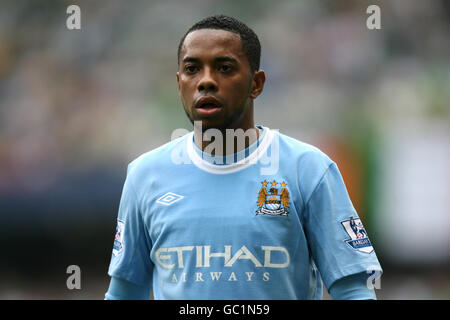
[249, 39]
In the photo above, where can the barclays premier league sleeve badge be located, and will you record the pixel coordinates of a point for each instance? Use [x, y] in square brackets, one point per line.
[118, 238]
[358, 235]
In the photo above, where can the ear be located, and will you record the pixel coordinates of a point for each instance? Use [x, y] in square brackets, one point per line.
[259, 78]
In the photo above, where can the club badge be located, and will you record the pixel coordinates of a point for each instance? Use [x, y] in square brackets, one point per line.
[274, 201]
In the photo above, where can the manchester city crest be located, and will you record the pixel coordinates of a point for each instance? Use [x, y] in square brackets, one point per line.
[273, 200]
[358, 235]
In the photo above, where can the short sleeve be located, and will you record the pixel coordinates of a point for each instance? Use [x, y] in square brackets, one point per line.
[120, 289]
[338, 241]
[131, 249]
[353, 287]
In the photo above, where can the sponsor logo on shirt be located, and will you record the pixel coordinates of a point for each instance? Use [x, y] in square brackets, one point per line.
[169, 198]
[118, 238]
[175, 259]
[358, 236]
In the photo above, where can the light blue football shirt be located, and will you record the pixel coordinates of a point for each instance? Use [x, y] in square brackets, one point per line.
[270, 222]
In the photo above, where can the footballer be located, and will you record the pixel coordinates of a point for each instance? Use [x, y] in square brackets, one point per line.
[234, 210]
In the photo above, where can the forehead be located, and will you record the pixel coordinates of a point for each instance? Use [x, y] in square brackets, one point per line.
[213, 42]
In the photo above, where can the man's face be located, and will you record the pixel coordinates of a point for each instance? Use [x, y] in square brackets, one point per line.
[214, 80]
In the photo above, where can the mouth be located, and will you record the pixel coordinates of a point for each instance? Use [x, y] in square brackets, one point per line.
[208, 105]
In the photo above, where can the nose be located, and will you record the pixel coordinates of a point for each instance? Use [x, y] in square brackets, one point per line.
[207, 82]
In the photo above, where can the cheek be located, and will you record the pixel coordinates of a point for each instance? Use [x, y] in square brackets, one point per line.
[240, 90]
[186, 90]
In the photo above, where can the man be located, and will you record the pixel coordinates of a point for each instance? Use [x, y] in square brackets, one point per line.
[233, 210]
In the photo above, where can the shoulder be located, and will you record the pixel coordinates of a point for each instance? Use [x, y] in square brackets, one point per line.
[304, 154]
[306, 162]
[157, 159]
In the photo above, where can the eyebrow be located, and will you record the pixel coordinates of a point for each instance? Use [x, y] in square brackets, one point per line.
[217, 59]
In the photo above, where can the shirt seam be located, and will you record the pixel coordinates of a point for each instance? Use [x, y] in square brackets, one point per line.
[318, 184]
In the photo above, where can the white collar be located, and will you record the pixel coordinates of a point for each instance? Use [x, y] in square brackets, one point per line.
[233, 167]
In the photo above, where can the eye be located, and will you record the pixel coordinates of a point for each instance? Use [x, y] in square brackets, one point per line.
[225, 68]
[190, 69]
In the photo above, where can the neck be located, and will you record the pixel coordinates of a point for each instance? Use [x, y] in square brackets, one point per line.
[225, 141]
[233, 139]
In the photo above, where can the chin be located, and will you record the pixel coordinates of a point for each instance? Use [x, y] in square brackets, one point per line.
[208, 124]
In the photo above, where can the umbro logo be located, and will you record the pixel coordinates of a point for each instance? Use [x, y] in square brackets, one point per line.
[169, 198]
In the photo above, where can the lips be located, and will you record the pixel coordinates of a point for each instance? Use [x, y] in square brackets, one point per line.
[207, 102]
[208, 105]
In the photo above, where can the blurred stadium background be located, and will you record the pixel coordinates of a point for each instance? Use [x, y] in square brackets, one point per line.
[77, 105]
